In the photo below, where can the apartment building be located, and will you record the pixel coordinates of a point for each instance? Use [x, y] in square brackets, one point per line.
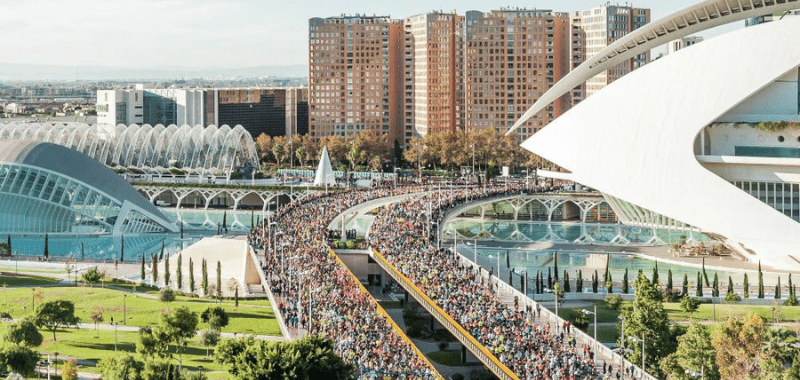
[512, 57]
[356, 76]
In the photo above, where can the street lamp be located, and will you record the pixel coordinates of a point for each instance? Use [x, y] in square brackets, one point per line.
[595, 325]
[636, 340]
[33, 300]
[56, 363]
[115, 333]
[622, 319]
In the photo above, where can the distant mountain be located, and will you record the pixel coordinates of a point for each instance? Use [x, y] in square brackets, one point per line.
[18, 72]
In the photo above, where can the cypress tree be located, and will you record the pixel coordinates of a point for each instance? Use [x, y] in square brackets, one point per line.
[790, 284]
[778, 289]
[579, 282]
[715, 287]
[746, 285]
[705, 275]
[669, 281]
[549, 279]
[219, 278]
[685, 288]
[595, 281]
[609, 283]
[625, 282]
[699, 291]
[236, 296]
[540, 283]
[179, 272]
[166, 271]
[191, 275]
[730, 285]
[204, 279]
[555, 265]
[566, 282]
[154, 264]
[760, 281]
[143, 274]
[655, 274]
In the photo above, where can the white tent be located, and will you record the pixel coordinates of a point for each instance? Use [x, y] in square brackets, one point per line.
[325, 174]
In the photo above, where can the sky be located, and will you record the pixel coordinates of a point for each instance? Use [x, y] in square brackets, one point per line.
[209, 33]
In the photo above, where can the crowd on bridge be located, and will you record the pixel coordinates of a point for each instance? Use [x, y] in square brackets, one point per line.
[529, 349]
[312, 284]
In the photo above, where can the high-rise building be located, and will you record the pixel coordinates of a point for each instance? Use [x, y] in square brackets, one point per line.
[602, 26]
[273, 111]
[513, 56]
[682, 43]
[356, 76]
[438, 71]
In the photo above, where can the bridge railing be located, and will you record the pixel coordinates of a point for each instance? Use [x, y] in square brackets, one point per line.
[385, 315]
[481, 352]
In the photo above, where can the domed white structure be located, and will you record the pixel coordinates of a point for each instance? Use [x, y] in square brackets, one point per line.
[48, 188]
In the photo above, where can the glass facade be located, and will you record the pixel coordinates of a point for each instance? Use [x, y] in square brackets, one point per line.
[784, 197]
[767, 151]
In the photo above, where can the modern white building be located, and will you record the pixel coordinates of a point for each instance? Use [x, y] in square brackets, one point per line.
[144, 105]
[682, 43]
[710, 136]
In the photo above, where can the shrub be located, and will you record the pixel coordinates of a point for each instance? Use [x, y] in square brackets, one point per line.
[613, 301]
[442, 346]
[167, 295]
[350, 244]
[579, 319]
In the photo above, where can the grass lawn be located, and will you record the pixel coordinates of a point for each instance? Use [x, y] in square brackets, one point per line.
[723, 311]
[390, 304]
[604, 314]
[254, 317]
[11, 280]
[450, 358]
[83, 344]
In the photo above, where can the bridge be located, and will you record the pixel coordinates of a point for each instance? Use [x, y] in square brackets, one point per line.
[204, 197]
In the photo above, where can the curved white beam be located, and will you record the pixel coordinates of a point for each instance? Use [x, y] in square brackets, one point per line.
[634, 140]
[693, 19]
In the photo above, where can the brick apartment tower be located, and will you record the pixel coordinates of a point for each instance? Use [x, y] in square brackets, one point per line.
[356, 76]
[437, 40]
[513, 57]
[602, 26]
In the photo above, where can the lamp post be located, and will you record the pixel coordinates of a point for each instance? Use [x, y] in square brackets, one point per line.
[56, 363]
[115, 333]
[636, 340]
[595, 327]
[33, 300]
[622, 333]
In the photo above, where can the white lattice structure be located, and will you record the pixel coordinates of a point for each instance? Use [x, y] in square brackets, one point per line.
[206, 151]
[253, 198]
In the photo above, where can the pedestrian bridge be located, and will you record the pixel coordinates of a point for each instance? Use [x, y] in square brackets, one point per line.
[551, 207]
[220, 197]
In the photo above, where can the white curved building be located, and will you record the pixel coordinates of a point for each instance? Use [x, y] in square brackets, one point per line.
[683, 140]
[47, 188]
[205, 151]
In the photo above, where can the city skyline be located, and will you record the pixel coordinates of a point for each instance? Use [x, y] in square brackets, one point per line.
[207, 33]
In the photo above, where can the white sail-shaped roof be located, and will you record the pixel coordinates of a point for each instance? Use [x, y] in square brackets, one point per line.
[325, 174]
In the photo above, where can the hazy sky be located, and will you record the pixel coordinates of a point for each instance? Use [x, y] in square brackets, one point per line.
[207, 33]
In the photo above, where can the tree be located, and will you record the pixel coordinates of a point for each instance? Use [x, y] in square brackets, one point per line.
[215, 316]
[549, 279]
[70, 371]
[778, 289]
[595, 282]
[695, 352]
[97, 317]
[705, 275]
[167, 295]
[746, 285]
[613, 301]
[669, 281]
[760, 281]
[778, 350]
[19, 359]
[792, 300]
[699, 291]
[264, 145]
[54, 314]
[689, 304]
[579, 282]
[655, 274]
[738, 342]
[625, 286]
[609, 283]
[120, 367]
[648, 318]
[179, 272]
[209, 338]
[312, 357]
[166, 272]
[23, 332]
[152, 343]
[715, 286]
[143, 271]
[555, 265]
[191, 276]
[566, 281]
[92, 276]
[730, 296]
[154, 264]
[204, 280]
[219, 279]
[180, 325]
[685, 287]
